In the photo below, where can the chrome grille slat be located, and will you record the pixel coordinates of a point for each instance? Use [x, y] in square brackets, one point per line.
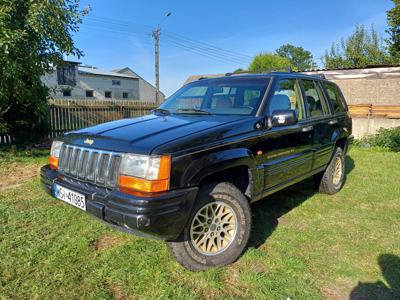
[91, 165]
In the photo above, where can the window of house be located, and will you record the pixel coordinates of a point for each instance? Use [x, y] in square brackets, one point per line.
[125, 95]
[287, 95]
[66, 93]
[89, 93]
[116, 82]
[334, 96]
[107, 94]
[66, 75]
[315, 106]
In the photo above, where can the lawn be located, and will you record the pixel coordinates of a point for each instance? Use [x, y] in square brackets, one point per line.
[304, 245]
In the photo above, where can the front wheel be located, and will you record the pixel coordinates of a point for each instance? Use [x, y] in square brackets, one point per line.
[332, 179]
[218, 230]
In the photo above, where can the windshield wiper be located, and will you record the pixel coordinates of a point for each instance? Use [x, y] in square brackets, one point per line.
[193, 111]
[162, 111]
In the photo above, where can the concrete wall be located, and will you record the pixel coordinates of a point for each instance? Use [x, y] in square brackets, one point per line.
[365, 126]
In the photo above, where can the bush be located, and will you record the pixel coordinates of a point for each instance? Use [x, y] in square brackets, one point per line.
[388, 138]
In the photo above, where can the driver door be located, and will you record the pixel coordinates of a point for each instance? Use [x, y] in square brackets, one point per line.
[287, 149]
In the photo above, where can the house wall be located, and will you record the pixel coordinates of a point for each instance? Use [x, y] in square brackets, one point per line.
[147, 92]
[99, 84]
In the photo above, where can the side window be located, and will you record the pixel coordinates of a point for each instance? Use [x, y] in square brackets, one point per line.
[287, 96]
[334, 97]
[314, 104]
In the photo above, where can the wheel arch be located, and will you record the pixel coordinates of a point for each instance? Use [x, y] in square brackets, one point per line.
[236, 166]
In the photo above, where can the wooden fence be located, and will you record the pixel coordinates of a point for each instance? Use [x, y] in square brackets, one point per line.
[374, 111]
[67, 115]
[70, 114]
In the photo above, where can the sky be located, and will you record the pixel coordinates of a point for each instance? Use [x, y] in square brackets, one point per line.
[219, 36]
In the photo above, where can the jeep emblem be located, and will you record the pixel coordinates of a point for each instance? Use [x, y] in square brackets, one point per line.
[88, 141]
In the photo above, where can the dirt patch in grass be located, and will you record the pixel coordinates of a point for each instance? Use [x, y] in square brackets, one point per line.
[14, 174]
[333, 294]
[105, 242]
[117, 293]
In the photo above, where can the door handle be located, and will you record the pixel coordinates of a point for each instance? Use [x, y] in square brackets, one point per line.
[332, 122]
[307, 128]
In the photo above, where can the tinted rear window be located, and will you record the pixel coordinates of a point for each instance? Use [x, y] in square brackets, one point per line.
[334, 97]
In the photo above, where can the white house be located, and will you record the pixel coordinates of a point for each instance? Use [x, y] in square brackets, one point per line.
[74, 81]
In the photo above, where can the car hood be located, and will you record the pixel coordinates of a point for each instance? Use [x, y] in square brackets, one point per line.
[144, 134]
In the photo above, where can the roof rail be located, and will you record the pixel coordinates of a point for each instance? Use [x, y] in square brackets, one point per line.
[287, 69]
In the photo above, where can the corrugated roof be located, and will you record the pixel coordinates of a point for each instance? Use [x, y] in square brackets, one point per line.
[94, 71]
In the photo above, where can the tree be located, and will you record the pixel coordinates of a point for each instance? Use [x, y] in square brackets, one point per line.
[34, 35]
[362, 48]
[301, 59]
[393, 18]
[265, 62]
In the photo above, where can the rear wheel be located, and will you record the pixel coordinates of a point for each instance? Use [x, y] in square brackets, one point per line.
[331, 180]
[218, 230]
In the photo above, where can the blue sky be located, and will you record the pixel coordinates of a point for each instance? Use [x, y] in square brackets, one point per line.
[117, 33]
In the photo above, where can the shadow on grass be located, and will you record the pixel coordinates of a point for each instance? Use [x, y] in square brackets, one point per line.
[390, 268]
[268, 212]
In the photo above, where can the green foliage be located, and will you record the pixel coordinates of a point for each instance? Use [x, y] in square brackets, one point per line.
[33, 37]
[300, 58]
[265, 62]
[388, 138]
[239, 70]
[362, 48]
[393, 18]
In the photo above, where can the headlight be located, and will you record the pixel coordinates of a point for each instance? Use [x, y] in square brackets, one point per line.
[55, 154]
[144, 173]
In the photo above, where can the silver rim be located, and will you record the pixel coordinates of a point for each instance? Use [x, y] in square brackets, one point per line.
[213, 228]
[337, 171]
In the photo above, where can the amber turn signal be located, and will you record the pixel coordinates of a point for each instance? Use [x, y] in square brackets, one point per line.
[128, 184]
[133, 185]
[53, 162]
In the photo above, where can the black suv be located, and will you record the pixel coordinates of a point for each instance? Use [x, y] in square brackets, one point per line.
[188, 172]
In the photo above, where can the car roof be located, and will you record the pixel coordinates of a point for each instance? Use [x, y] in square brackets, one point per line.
[266, 75]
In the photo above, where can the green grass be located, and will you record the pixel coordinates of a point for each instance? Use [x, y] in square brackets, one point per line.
[304, 245]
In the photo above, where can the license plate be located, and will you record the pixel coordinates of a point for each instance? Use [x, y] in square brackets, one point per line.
[71, 197]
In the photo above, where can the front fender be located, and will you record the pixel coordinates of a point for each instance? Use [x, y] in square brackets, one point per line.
[215, 162]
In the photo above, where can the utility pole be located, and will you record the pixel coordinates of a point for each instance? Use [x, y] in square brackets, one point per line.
[156, 36]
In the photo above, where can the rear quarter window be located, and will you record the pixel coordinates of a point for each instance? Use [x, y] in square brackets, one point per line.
[334, 97]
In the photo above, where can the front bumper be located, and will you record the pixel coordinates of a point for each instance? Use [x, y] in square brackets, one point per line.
[163, 216]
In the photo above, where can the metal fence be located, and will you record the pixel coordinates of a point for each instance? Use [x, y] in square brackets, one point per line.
[71, 114]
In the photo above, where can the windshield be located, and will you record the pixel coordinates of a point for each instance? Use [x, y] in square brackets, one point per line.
[223, 96]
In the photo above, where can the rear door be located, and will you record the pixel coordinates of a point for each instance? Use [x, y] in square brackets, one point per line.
[321, 120]
[288, 149]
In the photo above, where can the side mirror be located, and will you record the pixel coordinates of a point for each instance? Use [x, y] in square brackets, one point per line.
[283, 117]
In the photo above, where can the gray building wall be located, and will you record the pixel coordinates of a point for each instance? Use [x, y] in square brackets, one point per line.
[99, 84]
[147, 92]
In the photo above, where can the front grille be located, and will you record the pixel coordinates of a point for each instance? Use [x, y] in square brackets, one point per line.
[92, 165]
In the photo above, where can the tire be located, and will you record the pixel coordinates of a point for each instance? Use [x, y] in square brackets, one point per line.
[221, 241]
[332, 179]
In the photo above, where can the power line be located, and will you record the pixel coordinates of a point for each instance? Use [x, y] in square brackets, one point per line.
[171, 38]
